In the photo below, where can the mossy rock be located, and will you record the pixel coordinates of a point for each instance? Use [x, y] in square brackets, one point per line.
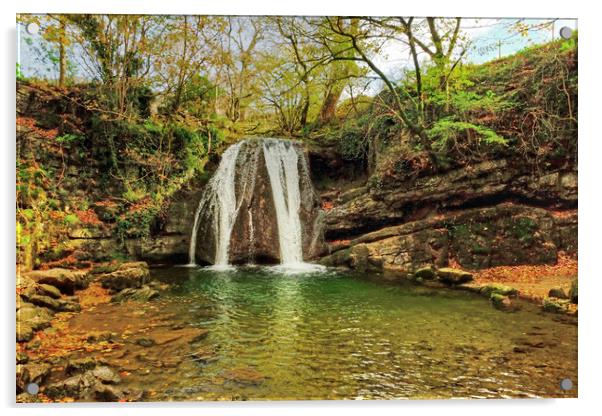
[573, 292]
[80, 365]
[557, 292]
[425, 273]
[24, 332]
[49, 290]
[500, 302]
[143, 294]
[554, 305]
[498, 288]
[453, 276]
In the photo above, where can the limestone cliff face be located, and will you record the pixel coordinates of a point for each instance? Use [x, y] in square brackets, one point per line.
[487, 215]
[486, 183]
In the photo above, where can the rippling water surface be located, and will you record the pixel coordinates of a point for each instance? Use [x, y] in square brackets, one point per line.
[335, 335]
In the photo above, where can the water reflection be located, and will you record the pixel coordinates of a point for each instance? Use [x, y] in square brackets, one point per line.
[330, 334]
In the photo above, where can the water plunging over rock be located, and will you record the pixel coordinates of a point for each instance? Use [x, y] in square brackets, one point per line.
[259, 207]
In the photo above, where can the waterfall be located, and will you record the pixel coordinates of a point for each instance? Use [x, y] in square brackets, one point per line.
[282, 162]
[258, 205]
[218, 200]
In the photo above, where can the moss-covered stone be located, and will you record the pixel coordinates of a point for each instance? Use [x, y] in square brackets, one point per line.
[554, 305]
[498, 288]
[24, 332]
[425, 273]
[128, 275]
[143, 294]
[501, 302]
[452, 276]
[50, 290]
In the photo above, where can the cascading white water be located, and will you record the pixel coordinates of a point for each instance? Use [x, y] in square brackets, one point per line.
[282, 161]
[235, 185]
[219, 200]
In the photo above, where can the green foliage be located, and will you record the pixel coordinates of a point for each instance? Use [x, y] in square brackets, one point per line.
[524, 229]
[134, 195]
[448, 130]
[352, 143]
[467, 101]
[69, 138]
[71, 219]
[137, 223]
[28, 214]
[20, 76]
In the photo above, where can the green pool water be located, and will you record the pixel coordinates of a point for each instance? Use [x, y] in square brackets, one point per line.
[329, 334]
[337, 335]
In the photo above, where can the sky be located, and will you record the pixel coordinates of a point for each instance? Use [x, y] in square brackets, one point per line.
[488, 38]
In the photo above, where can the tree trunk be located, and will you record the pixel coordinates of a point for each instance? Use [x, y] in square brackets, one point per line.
[329, 106]
[62, 53]
[304, 112]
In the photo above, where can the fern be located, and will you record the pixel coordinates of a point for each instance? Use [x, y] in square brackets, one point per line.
[447, 129]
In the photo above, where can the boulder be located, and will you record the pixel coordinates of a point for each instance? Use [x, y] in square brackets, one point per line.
[452, 276]
[22, 357]
[37, 323]
[79, 386]
[505, 234]
[426, 273]
[128, 275]
[143, 294]
[31, 373]
[49, 290]
[69, 306]
[59, 305]
[45, 301]
[80, 365]
[24, 332]
[557, 292]
[554, 305]
[400, 249]
[31, 311]
[95, 384]
[107, 393]
[106, 375]
[64, 279]
[500, 302]
[498, 288]
[26, 287]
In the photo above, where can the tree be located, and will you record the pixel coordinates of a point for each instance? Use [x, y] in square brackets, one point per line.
[119, 51]
[236, 63]
[54, 30]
